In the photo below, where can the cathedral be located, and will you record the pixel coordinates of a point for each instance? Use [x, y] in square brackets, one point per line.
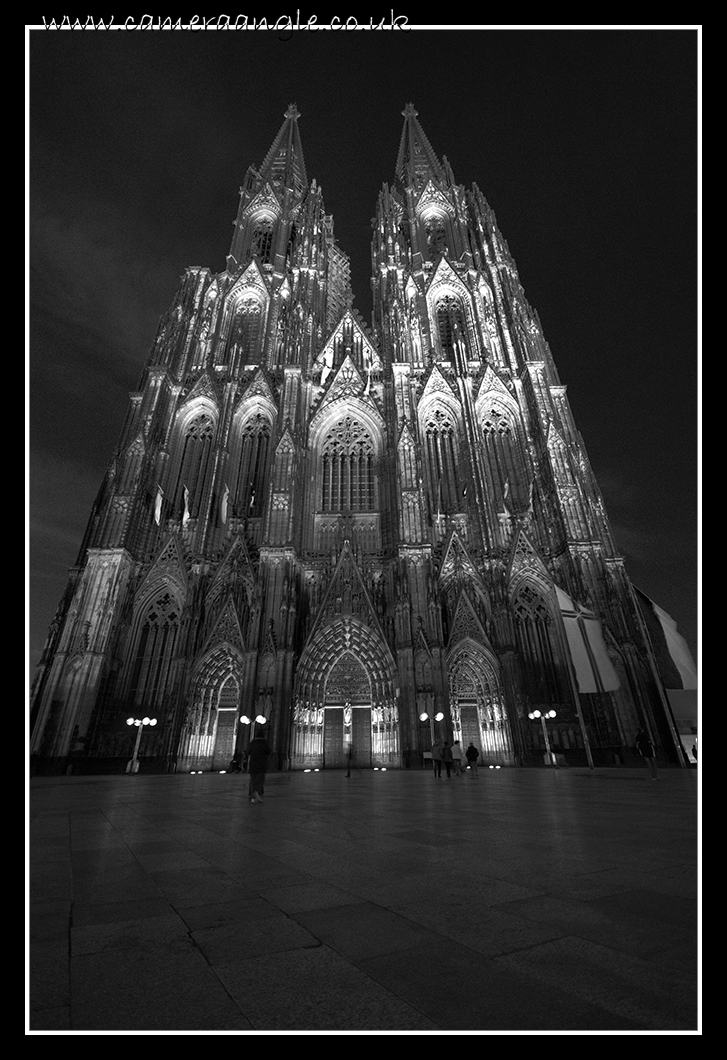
[356, 537]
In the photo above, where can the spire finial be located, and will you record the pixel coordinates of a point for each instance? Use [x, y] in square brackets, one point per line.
[409, 111]
[292, 111]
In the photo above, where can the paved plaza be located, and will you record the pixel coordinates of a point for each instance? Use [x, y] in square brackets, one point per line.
[523, 900]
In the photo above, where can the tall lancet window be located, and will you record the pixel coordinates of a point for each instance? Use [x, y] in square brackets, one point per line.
[262, 240]
[535, 633]
[347, 467]
[505, 465]
[450, 325]
[155, 649]
[195, 464]
[443, 461]
[246, 333]
[249, 465]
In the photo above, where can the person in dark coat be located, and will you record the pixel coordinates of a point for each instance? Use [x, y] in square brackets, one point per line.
[472, 754]
[447, 758]
[437, 758]
[646, 749]
[258, 754]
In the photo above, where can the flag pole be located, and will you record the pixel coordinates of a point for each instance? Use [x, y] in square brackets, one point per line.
[592, 658]
[666, 705]
[579, 712]
[574, 688]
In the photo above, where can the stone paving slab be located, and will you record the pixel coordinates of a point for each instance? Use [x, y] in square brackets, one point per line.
[527, 901]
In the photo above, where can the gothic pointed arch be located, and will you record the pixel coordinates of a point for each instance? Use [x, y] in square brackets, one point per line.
[452, 320]
[203, 393]
[508, 478]
[466, 624]
[347, 382]
[245, 317]
[227, 629]
[526, 563]
[439, 417]
[168, 568]
[477, 701]
[262, 204]
[345, 702]
[155, 638]
[348, 340]
[250, 447]
[538, 632]
[209, 730]
[189, 471]
[261, 388]
[347, 442]
[346, 594]
[235, 581]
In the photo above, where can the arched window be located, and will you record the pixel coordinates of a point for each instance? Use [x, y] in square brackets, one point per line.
[535, 633]
[249, 466]
[156, 647]
[194, 463]
[347, 457]
[504, 462]
[246, 333]
[450, 325]
[262, 240]
[443, 460]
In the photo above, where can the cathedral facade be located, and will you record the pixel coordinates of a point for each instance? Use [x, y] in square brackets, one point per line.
[361, 535]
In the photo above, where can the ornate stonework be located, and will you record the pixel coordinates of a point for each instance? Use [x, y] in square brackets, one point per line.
[341, 526]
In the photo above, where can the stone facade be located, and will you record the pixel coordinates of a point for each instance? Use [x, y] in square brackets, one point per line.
[347, 529]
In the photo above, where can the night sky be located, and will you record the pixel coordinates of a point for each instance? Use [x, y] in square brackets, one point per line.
[584, 142]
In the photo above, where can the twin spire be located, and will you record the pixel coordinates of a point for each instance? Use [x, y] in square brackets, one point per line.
[416, 161]
[284, 161]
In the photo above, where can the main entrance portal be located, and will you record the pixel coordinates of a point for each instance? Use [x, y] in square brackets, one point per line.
[345, 708]
[347, 717]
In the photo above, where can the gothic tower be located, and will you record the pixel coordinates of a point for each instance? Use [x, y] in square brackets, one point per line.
[366, 535]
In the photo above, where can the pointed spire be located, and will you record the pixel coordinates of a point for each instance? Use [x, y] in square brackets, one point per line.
[284, 161]
[416, 161]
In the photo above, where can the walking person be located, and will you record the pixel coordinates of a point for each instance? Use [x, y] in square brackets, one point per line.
[258, 754]
[457, 758]
[646, 749]
[447, 758]
[437, 758]
[472, 754]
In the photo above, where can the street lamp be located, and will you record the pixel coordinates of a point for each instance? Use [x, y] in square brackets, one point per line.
[431, 720]
[437, 718]
[133, 765]
[534, 715]
[259, 719]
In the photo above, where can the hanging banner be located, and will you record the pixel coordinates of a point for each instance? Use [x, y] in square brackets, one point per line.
[593, 667]
[673, 658]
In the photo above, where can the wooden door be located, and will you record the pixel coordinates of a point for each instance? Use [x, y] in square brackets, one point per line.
[333, 750]
[361, 738]
[224, 739]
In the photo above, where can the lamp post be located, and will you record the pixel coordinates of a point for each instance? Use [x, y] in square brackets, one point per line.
[133, 765]
[428, 717]
[534, 715]
[259, 719]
